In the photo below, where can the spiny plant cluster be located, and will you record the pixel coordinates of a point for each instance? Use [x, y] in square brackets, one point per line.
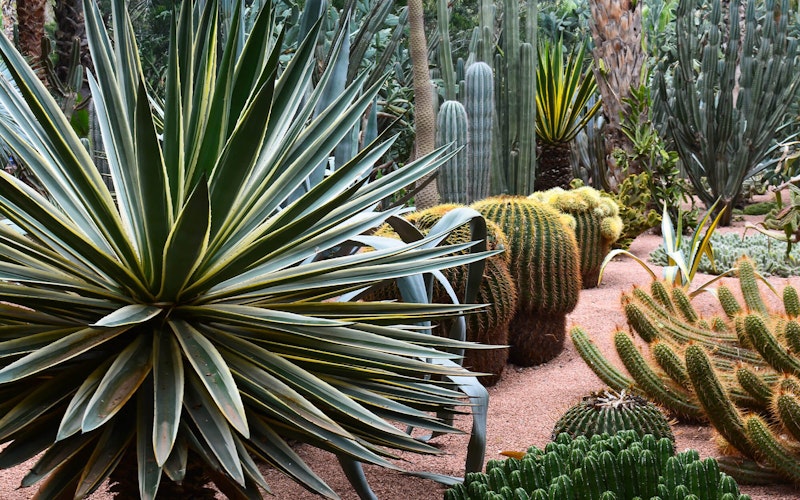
[738, 370]
[622, 466]
[609, 412]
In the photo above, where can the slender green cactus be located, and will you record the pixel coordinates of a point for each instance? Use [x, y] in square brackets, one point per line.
[605, 467]
[729, 375]
[545, 263]
[479, 104]
[597, 225]
[610, 412]
[451, 128]
[726, 113]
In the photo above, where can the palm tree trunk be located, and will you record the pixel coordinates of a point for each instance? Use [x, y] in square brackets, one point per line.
[71, 26]
[618, 56]
[30, 19]
[424, 118]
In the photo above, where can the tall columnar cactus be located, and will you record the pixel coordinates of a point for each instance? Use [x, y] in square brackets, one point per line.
[726, 368]
[454, 176]
[514, 140]
[597, 225]
[546, 266]
[605, 467]
[479, 104]
[726, 112]
[488, 326]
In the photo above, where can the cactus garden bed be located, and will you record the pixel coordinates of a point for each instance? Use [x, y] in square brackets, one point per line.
[524, 405]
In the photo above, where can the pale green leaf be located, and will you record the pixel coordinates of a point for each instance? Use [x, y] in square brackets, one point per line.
[214, 373]
[119, 383]
[132, 314]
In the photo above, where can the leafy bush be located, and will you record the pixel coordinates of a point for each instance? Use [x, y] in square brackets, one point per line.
[768, 254]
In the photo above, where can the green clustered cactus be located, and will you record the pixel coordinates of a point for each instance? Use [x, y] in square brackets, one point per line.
[768, 254]
[740, 370]
[622, 466]
[597, 224]
[546, 267]
[609, 412]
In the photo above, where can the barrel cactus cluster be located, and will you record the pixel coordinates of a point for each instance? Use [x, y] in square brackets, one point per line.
[620, 466]
[546, 268]
[738, 370]
[597, 224]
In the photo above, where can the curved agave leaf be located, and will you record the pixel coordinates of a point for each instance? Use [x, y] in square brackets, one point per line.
[201, 311]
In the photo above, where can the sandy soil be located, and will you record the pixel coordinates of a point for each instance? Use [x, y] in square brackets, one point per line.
[524, 406]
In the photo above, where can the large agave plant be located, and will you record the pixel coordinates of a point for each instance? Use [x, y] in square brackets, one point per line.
[197, 312]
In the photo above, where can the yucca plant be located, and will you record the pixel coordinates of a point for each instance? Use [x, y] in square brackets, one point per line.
[564, 89]
[197, 312]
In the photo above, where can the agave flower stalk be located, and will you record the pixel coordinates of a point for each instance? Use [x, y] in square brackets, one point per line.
[198, 313]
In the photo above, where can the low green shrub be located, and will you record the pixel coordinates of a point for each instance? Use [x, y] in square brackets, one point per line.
[768, 254]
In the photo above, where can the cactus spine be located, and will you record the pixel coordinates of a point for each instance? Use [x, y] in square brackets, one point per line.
[545, 262]
[454, 176]
[597, 225]
[479, 104]
[729, 375]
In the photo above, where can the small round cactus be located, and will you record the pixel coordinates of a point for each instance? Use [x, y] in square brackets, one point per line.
[611, 412]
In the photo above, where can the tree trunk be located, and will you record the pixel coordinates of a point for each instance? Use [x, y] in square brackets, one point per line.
[71, 26]
[424, 119]
[618, 56]
[555, 168]
[30, 19]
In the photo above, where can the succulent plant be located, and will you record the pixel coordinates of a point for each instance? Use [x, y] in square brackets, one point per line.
[597, 224]
[497, 290]
[608, 412]
[199, 311]
[768, 254]
[546, 266]
[738, 371]
[620, 466]
[454, 177]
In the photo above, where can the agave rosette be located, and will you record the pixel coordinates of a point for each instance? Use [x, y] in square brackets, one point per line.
[197, 310]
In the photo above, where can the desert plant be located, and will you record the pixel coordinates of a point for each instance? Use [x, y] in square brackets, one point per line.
[608, 412]
[767, 254]
[545, 264]
[683, 257]
[564, 88]
[782, 223]
[597, 225]
[726, 112]
[479, 104]
[454, 177]
[198, 312]
[624, 466]
[738, 370]
[496, 291]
